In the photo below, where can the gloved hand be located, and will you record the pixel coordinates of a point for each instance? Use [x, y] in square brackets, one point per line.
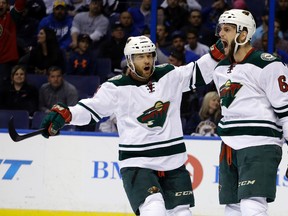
[55, 120]
[217, 51]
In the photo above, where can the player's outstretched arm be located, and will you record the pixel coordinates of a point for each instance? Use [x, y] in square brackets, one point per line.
[55, 120]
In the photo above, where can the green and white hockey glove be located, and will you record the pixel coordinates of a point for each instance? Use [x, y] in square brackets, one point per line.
[55, 120]
[217, 51]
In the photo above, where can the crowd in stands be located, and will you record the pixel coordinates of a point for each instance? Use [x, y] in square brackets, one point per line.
[61, 38]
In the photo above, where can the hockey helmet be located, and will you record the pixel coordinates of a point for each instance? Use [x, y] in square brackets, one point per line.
[138, 45]
[242, 19]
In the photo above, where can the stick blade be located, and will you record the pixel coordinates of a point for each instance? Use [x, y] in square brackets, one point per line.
[16, 137]
[12, 131]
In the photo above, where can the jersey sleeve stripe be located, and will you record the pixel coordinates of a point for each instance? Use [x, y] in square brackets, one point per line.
[90, 110]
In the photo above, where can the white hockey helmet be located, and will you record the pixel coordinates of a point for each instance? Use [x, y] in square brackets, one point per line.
[138, 45]
[243, 20]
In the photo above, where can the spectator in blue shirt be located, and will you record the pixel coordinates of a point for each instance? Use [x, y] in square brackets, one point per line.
[60, 22]
[178, 43]
[141, 15]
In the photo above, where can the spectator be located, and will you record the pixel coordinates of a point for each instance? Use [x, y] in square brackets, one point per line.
[163, 42]
[263, 28]
[194, 45]
[141, 15]
[160, 16]
[282, 15]
[126, 21]
[36, 9]
[76, 6]
[60, 22]
[47, 53]
[187, 4]
[80, 60]
[176, 58]
[210, 17]
[279, 43]
[175, 16]
[239, 4]
[26, 33]
[195, 21]
[113, 47]
[8, 43]
[93, 23]
[203, 123]
[277, 52]
[178, 43]
[20, 95]
[56, 90]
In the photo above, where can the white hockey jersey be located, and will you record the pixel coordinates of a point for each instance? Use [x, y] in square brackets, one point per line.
[148, 115]
[254, 100]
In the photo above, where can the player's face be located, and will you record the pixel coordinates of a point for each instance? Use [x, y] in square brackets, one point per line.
[144, 64]
[227, 33]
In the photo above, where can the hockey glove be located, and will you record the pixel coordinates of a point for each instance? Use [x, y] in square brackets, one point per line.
[55, 120]
[217, 51]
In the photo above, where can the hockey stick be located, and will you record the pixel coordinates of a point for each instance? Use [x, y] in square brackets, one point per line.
[16, 137]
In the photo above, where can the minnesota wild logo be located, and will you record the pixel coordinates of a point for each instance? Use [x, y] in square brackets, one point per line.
[228, 92]
[156, 115]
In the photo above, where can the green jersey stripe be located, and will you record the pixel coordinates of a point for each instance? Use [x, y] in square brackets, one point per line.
[253, 131]
[164, 151]
[247, 122]
[150, 144]
[281, 108]
[282, 115]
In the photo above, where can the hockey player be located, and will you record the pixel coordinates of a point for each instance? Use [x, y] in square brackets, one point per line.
[253, 89]
[146, 103]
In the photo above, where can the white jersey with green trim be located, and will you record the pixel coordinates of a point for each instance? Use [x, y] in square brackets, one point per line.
[148, 115]
[254, 100]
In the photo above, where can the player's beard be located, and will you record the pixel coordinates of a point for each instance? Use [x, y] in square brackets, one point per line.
[231, 51]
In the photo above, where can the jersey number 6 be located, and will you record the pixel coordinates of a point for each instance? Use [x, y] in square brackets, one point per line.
[282, 83]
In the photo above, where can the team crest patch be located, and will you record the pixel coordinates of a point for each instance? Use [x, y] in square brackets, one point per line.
[1, 30]
[267, 57]
[156, 115]
[228, 92]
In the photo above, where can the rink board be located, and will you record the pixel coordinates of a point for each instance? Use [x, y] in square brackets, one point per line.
[79, 175]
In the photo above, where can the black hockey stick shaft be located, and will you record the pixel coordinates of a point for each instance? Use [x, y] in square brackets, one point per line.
[17, 137]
